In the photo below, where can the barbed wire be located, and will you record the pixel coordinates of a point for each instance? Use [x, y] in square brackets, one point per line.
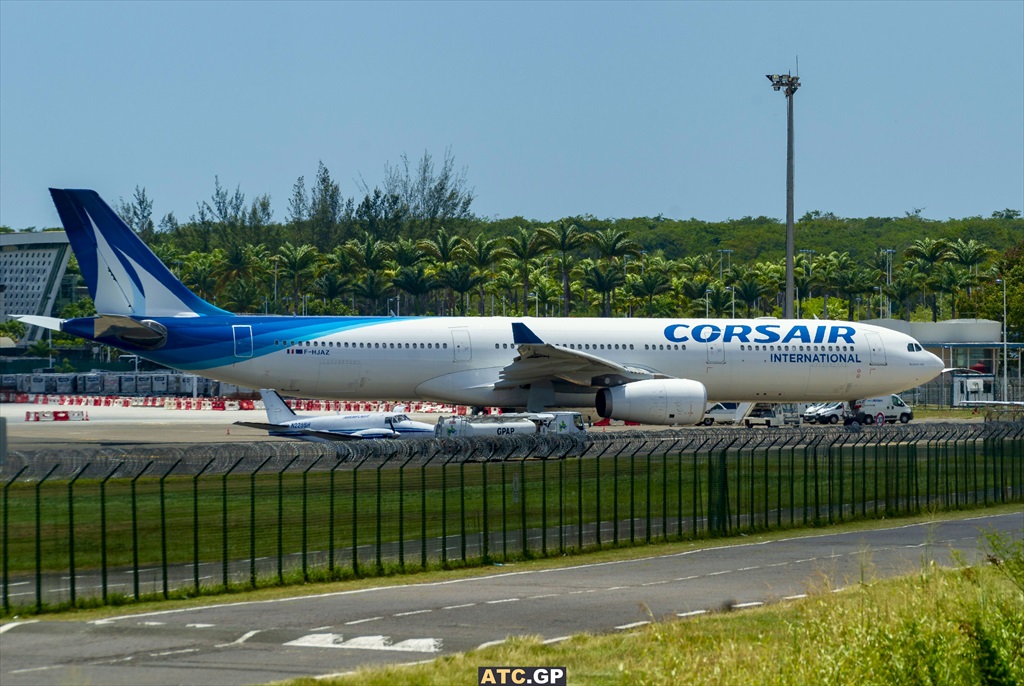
[207, 459]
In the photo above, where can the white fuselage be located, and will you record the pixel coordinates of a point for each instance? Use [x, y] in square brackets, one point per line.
[459, 359]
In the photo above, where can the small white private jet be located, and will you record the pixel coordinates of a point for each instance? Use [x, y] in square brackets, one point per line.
[282, 421]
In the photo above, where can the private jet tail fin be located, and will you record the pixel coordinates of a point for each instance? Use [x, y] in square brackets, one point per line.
[123, 275]
[278, 411]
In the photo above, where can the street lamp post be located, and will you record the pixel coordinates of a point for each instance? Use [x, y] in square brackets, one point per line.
[733, 291]
[789, 84]
[1006, 387]
[707, 304]
[889, 252]
[722, 253]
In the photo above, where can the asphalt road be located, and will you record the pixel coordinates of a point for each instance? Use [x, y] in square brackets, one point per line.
[261, 641]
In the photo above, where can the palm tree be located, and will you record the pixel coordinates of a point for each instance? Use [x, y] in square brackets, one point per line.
[242, 262]
[481, 253]
[565, 239]
[443, 249]
[648, 285]
[199, 273]
[506, 282]
[416, 282]
[748, 288]
[611, 244]
[694, 288]
[371, 289]
[461, 279]
[928, 253]
[949, 278]
[525, 246]
[298, 265]
[854, 282]
[905, 283]
[604, 279]
[828, 274]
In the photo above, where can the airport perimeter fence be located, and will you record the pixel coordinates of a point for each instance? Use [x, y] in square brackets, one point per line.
[108, 526]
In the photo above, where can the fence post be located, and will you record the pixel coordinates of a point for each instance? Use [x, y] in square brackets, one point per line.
[597, 493]
[224, 520]
[71, 534]
[6, 540]
[504, 514]
[444, 509]
[305, 518]
[379, 560]
[423, 508]
[355, 516]
[195, 523]
[522, 503]
[462, 506]
[664, 489]
[280, 519]
[544, 507]
[485, 547]
[401, 514]
[135, 533]
[163, 528]
[718, 485]
[252, 522]
[103, 530]
[39, 539]
[615, 501]
[331, 498]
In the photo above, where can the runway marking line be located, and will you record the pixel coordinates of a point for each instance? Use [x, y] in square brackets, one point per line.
[34, 669]
[633, 625]
[456, 607]
[10, 625]
[413, 612]
[559, 570]
[360, 621]
[692, 613]
[240, 640]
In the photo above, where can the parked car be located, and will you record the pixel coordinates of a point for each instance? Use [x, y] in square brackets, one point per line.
[764, 415]
[832, 413]
[810, 414]
[720, 413]
[891, 407]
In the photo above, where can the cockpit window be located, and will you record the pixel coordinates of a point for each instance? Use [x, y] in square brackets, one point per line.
[914, 347]
[401, 418]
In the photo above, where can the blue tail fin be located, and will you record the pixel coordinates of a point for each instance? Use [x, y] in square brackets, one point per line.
[123, 275]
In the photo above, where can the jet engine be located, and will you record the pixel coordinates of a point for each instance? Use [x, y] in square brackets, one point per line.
[655, 401]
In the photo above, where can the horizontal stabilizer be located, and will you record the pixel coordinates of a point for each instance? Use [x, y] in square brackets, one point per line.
[52, 323]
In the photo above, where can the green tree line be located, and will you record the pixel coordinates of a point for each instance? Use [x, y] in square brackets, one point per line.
[413, 246]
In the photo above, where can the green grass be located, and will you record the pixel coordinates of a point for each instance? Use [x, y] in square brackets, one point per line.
[937, 626]
[776, 488]
[262, 516]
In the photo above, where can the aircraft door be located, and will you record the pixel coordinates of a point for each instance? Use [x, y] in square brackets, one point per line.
[463, 351]
[243, 339]
[716, 352]
[876, 348]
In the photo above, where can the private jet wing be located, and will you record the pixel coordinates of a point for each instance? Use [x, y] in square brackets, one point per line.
[539, 361]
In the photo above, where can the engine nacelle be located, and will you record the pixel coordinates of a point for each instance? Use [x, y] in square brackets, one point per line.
[655, 401]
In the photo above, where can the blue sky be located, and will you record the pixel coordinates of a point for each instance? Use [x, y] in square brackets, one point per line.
[554, 109]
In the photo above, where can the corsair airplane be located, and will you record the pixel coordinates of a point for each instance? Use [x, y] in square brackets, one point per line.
[654, 371]
[282, 421]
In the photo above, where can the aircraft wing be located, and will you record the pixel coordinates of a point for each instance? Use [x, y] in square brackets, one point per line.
[264, 426]
[354, 436]
[539, 361]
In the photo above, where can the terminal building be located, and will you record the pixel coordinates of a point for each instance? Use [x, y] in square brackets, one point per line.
[32, 266]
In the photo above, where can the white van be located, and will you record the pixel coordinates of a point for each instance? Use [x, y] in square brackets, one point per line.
[891, 407]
